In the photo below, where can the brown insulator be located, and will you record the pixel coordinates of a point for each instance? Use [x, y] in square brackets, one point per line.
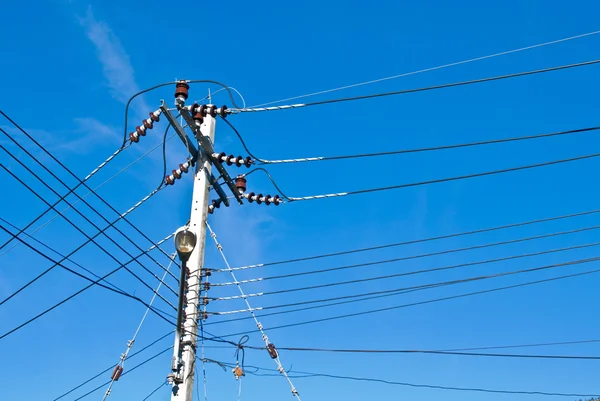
[183, 168]
[230, 160]
[140, 130]
[181, 89]
[216, 203]
[259, 199]
[205, 301]
[272, 350]
[251, 197]
[176, 174]
[116, 373]
[240, 183]
[212, 109]
[206, 285]
[248, 162]
[268, 200]
[223, 111]
[169, 180]
[148, 124]
[154, 117]
[133, 138]
[277, 200]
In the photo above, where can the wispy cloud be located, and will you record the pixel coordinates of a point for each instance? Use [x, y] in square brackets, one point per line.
[116, 64]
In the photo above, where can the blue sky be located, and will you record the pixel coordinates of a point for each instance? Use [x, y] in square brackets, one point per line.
[68, 67]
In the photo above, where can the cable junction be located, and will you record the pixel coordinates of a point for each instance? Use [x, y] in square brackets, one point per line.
[269, 346]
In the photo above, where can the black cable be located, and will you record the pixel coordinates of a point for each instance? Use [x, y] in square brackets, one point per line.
[423, 89]
[99, 284]
[302, 375]
[81, 182]
[56, 252]
[164, 154]
[524, 345]
[447, 179]
[355, 314]
[270, 179]
[407, 351]
[155, 390]
[71, 297]
[397, 291]
[192, 81]
[362, 280]
[448, 251]
[429, 239]
[90, 239]
[129, 371]
[111, 367]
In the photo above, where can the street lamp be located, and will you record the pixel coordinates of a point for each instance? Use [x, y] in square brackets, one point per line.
[185, 242]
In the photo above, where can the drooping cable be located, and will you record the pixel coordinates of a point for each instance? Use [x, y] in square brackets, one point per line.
[39, 315]
[121, 365]
[155, 390]
[439, 67]
[272, 351]
[423, 89]
[89, 239]
[39, 145]
[114, 289]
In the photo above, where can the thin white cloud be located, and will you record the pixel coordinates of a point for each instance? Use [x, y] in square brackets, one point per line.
[116, 64]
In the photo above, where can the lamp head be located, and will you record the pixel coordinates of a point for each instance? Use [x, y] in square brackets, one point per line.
[185, 242]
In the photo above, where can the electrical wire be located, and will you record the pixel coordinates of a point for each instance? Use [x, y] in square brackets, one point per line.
[84, 196]
[32, 139]
[272, 352]
[155, 390]
[192, 81]
[90, 239]
[423, 89]
[454, 250]
[402, 151]
[433, 352]
[447, 179]
[96, 282]
[439, 67]
[111, 367]
[131, 342]
[357, 314]
[422, 240]
[130, 370]
[56, 252]
[304, 375]
[396, 291]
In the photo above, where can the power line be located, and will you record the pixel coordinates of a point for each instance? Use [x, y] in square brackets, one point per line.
[447, 179]
[96, 282]
[422, 240]
[155, 390]
[423, 89]
[355, 314]
[111, 367]
[86, 195]
[130, 370]
[90, 239]
[304, 375]
[130, 343]
[430, 69]
[454, 250]
[82, 182]
[397, 291]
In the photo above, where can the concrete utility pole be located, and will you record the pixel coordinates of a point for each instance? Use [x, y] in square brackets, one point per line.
[184, 360]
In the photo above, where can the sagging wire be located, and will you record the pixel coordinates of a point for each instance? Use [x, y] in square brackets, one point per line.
[118, 371]
[220, 90]
[270, 347]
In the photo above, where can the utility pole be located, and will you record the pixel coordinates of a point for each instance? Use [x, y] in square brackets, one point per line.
[184, 359]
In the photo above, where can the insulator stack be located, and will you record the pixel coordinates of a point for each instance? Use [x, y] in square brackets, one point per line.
[116, 374]
[230, 160]
[272, 350]
[176, 174]
[211, 109]
[205, 273]
[214, 204]
[147, 124]
[259, 199]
